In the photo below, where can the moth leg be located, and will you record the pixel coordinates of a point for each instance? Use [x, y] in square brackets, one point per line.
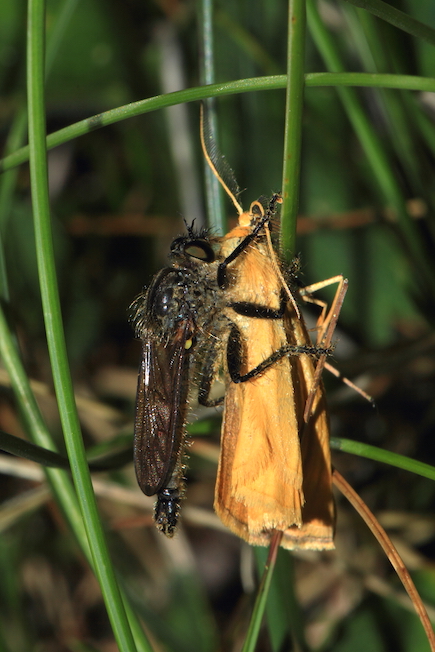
[234, 356]
[327, 319]
[322, 321]
[335, 372]
[326, 324]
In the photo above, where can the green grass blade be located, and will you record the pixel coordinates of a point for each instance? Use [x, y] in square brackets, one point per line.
[283, 610]
[293, 125]
[35, 426]
[405, 82]
[58, 480]
[262, 595]
[54, 327]
[22, 448]
[374, 80]
[381, 455]
[397, 18]
[8, 182]
[213, 191]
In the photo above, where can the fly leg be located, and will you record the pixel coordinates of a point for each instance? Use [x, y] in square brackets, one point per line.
[234, 351]
[208, 376]
[234, 356]
[265, 217]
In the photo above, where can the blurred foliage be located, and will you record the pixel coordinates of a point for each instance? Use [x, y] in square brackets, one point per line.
[118, 197]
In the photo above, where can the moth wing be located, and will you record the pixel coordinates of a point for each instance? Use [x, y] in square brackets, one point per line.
[161, 409]
[318, 513]
[259, 481]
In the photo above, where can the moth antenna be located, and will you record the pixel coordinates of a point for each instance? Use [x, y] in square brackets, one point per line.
[279, 273]
[218, 164]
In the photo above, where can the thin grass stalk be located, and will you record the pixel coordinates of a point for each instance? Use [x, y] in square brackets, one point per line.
[262, 595]
[59, 480]
[397, 18]
[384, 456]
[283, 610]
[274, 82]
[216, 218]
[293, 126]
[390, 551]
[54, 326]
[289, 213]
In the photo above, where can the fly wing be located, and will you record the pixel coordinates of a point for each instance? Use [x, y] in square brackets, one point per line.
[161, 408]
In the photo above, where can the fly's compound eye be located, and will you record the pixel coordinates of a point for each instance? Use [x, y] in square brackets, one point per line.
[199, 249]
[195, 249]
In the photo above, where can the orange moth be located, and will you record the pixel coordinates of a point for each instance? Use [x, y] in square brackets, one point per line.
[274, 470]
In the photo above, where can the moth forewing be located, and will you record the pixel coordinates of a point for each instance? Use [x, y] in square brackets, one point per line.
[318, 513]
[259, 482]
[274, 471]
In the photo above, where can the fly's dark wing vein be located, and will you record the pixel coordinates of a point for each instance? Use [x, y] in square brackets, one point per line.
[161, 409]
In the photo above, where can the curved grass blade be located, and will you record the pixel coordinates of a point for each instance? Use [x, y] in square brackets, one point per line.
[23, 448]
[389, 549]
[407, 82]
[381, 455]
[397, 18]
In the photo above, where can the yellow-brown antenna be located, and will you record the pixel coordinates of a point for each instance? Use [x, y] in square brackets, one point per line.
[278, 272]
[218, 164]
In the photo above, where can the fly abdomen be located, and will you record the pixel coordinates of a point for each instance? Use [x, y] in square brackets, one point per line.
[166, 511]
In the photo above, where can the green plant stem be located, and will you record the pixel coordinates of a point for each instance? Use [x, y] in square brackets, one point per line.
[216, 217]
[262, 595]
[35, 426]
[284, 613]
[380, 455]
[293, 126]
[397, 18]
[289, 215]
[404, 82]
[54, 327]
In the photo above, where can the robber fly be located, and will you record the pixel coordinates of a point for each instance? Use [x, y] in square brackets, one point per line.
[171, 318]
